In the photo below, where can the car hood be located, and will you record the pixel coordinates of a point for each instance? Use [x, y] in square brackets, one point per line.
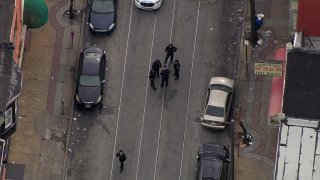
[102, 21]
[89, 94]
[223, 81]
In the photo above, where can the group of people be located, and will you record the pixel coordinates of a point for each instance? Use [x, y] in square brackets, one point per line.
[156, 65]
[155, 72]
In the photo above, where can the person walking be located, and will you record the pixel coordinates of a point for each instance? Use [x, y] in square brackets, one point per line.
[156, 65]
[122, 157]
[170, 50]
[165, 75]
[176, 66]
[152, 76]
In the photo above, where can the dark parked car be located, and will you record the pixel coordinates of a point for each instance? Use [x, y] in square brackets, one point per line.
[90, 77]
[213, 162]
[102, 15]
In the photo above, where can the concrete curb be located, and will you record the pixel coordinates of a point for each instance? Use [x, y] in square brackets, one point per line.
[65, 163]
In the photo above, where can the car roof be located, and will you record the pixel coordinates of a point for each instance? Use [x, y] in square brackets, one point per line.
[217, 98]
[91, 66]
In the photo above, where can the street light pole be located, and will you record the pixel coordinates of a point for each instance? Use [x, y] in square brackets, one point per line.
[71, 14]
[254, 35]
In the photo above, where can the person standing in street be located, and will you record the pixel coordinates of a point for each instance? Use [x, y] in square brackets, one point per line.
[156, 65]
[152, 76]
[170, 50]
[165, 75]
[122, 157]
[176, 66]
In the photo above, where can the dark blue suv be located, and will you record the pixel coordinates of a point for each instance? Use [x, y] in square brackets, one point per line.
[212, 162]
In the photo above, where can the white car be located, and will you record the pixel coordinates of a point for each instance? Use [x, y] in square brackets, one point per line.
[148, 4]
[218, 103]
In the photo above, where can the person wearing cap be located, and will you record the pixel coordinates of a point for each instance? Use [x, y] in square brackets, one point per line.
[122, 157]
[156, 65]
[165, 75]
[170, 49]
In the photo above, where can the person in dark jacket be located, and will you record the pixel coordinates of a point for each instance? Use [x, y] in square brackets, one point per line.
[170, 50]
[165, 75]
[152, 76]
[176, 66]
[156, 65]
[122, 157]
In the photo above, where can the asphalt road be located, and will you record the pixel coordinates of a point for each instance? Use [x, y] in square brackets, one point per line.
[155, 128]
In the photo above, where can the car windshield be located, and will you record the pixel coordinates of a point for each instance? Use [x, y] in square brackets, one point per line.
[220, 87]
[215, 111]
[86, 80]
[102, 6]
[96, 56]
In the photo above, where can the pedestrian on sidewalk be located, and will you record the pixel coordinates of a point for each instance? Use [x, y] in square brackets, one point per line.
[156, 65]
[170, 50]
[122, 157]
[152, 76]
[165, 75]
[176, 66]
[259, 20]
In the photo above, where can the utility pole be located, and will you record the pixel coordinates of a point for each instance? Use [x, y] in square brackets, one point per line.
[254, 35]
[71, 14]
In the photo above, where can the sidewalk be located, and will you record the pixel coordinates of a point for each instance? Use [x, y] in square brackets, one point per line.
[257, 161]
[46, 101]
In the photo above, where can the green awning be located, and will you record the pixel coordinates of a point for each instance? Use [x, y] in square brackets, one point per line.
[35, 13]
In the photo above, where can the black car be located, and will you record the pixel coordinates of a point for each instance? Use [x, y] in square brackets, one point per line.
[212, 162]
[102, 15]
[90, 77]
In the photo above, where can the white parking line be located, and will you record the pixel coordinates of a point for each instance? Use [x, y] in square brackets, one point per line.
[159, 135]
[189, 91]
[173, 13]
[146, 94]
[123, 74]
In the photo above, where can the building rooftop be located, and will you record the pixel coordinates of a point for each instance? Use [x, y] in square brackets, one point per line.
[298, 154]
[6, 13]
[301, 97]
[10, 78]
[10, 74]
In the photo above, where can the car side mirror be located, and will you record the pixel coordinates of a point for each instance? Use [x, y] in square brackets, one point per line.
[103, 81]
[199, 119]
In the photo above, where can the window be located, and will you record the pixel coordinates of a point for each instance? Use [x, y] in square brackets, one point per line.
[89, 80]
[102, 6]
[8, 118]
[215, 111]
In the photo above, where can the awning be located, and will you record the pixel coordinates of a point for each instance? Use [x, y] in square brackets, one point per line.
[35, 13]
[275, 105]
